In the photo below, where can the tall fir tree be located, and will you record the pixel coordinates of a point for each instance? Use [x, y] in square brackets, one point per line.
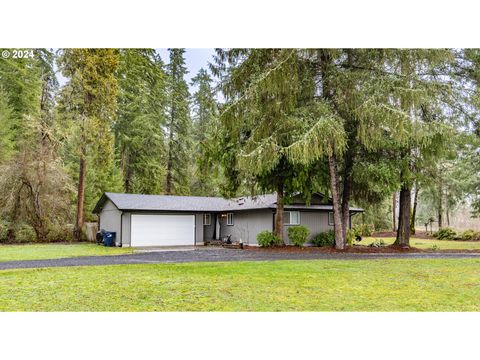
[178, 127]
[205, 123]
[139, 129]
[89, 104]
[262, 88]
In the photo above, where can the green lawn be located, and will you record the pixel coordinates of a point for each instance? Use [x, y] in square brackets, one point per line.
[55, 251]
[429, 244]
[314, 285]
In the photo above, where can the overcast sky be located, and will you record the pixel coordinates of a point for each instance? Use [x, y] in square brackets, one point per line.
[195, 59]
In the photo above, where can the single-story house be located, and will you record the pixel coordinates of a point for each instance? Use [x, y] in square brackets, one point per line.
[169, 220]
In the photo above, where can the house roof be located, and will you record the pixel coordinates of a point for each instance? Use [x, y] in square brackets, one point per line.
[198, 203]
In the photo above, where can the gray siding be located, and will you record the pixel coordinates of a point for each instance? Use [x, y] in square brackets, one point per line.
[315, 221]
[247, 224]
[110, 219]
[198, 229]
[208, 230]
[126, 228]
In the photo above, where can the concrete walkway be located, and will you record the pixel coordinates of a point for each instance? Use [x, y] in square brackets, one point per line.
[218, 254]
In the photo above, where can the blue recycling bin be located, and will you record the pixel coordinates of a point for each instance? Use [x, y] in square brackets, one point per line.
[109, 238]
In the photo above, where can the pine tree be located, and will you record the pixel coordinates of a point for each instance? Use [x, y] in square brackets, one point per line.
[139, 133]
[262, 88]
[89, 102]
[178, 127]
[359, 97]
[205, 123]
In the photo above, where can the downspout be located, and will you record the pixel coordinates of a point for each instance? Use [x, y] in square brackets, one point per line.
[273, 220]
[121, 229]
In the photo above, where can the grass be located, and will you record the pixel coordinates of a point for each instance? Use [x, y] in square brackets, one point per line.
[429, 244]
[314, 285]
[55, 251]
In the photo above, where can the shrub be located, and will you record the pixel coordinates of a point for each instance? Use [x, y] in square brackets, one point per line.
[57, 233]
[377, 243]
[469, 235]
[351, 235]
[363, 229]
[298, 234]
[267, 239]
[25, 234]
[3, 231]
[445, 234]
[323, 239]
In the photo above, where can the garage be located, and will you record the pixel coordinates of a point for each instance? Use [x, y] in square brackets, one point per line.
[162, 230]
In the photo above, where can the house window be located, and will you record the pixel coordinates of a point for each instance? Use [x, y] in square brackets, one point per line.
[330, 218]
[207, 219]
[229, 218]
[292, 218]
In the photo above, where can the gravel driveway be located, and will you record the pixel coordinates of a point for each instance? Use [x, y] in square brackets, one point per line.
[217, 254]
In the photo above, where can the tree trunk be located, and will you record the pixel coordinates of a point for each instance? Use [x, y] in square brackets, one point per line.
[80, 198]
[394, 211]
[169, 180]
[414, 211]
[440, 205]
[347, 190]
[337, 217]
[403, 232]
[11, 232]
[279, 213]
[447, 214]
[127, 171]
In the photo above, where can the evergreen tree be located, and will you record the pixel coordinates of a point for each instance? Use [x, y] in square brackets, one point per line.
[262, 89]
[35, 188]
[358, 98]
[139, 133]
[178, 127]
[205, 122]
[88, 104]
[7, 134]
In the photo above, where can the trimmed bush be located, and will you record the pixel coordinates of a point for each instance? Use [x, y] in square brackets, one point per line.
[445, 234]
[324, 239]
[298, 234]
[267, 239]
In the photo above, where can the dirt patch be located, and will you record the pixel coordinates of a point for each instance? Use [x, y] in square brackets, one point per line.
[357, 249]
[350, 249]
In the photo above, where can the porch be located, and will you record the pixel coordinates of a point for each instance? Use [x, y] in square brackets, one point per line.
[217, 227]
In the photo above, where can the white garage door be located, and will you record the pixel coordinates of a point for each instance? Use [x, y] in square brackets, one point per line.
[163, 230]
